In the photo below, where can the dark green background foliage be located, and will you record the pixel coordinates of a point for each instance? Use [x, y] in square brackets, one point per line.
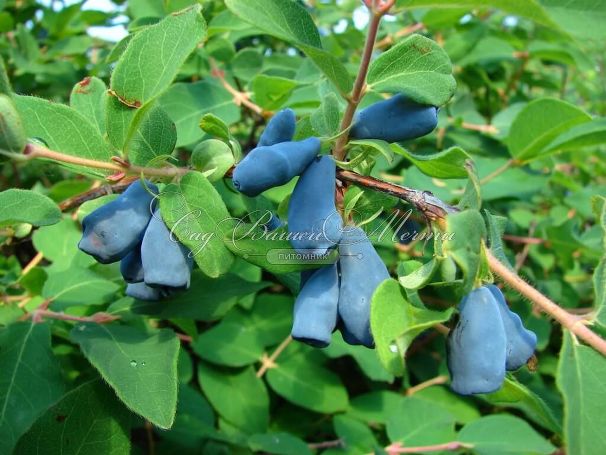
[529, 103]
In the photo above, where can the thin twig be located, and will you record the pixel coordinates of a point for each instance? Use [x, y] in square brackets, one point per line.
[184, 338]
[522, 255]
[453, 446]
[524, 240]
[270, 361]
[571, 322]
[325, 444]
[423, 385]
[99, 318]
[240, 98]
[33, 263]
[497, 172]
[119, 166]
[391, 39]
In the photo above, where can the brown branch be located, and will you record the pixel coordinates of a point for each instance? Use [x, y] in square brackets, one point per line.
[360, 83]
[432, 207]
[79, 199]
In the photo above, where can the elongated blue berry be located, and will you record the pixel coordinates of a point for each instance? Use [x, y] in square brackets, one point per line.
[266, 167]
[477, 345]
[314, 224]
[394, 120]
[113, 230]
[362, 270]
[281, 128]
[315, 311]
[141, 291]
[521, 342]
[166, 262]
[131, 266]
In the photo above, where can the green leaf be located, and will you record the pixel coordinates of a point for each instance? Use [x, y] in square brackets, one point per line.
[367, 359]
[58, 243]
[88, 418]
[229, 344]
[75, 286]
[278, 443]
[530, 9]
[213, 157]
[581, 18]
[374, 147]
[308, 385]
[376, 406]
[516, 395]
[395, 322]
[289, 21]
[196, 213]
[466, 230]
[247, 63]
[24, 206]
[186, 104]
[213, 125]
[539, 123]
[599, 274]
[63, 129]
[118, 118]
[356, 436]
[418, 422]
[462, 408]
[238, 396]
[447, 164]
[503, 434]
[151, 134]
[420, 276]
[580, 373]
[472, 194]
[284, 19]
[489, 50]
[496, 229]
[325, 120]
[5, 85]
[584, 135]
[417, 67]
[154, 56]
[89, 98]
[12, 133]
[271, 92]
[140, 367]
[30, 379]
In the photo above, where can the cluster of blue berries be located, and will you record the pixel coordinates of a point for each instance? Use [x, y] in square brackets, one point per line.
[130, 230]
[488, 340]
[335, 296]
